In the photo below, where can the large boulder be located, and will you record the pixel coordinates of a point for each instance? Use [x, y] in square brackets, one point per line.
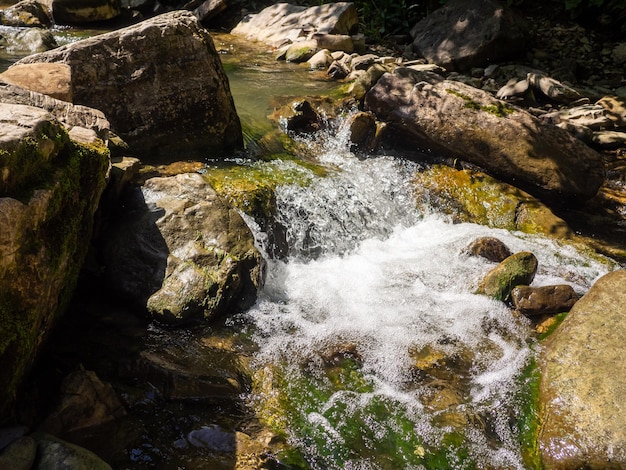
[49, 191]
[583, 385]
[160, 83]
[26, 13]
[181, 252]
[284, 23]
[463, 34]
[451, 119]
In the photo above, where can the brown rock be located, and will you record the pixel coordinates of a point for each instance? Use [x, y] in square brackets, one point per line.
[545, 300]
[489, 248]
[49, 79]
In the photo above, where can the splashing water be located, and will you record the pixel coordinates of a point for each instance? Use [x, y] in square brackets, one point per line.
[374, 350]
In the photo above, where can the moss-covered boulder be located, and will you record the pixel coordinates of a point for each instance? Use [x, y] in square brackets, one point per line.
[583, 384]
[49, 191]
[516, 270]
[178, 250]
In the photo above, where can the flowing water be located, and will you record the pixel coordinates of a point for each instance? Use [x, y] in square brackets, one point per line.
[374, 350]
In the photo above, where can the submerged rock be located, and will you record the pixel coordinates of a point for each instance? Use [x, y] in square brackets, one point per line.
[518, 269]
[161, 84]
[583, 387]
[459, 121]
[181, 252]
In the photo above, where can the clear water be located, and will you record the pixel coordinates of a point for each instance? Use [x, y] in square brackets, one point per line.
[374, 350]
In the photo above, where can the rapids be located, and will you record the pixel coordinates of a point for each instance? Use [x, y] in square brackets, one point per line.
[374, 351]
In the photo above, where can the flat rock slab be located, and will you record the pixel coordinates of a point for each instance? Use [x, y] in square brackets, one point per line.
[583, 386]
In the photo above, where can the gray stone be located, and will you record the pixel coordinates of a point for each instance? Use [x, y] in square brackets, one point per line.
[19, 455]
[552, 88]
[458, 121]
[463, 34]
[321, 60]
[181, 252]
[513, 89]
[300, 51]
[544, 300]
[161, 84]
[583, 383]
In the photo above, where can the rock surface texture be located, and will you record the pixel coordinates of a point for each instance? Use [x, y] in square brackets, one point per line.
[452, 119]
[181, 252]
[160, 83]
[49, 192]
[584, 384]
[462, 34]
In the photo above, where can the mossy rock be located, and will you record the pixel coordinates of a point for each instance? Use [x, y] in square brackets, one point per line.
[516, 270]
[47, 224]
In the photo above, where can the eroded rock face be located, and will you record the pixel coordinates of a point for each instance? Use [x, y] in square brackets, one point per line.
[456, 120]
[160, 83]
[181, 252]
[465, 34]
[583, 384]
[49, 192]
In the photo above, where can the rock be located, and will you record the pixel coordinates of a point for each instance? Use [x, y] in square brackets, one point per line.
[26, 13]
[28, 40]
[609, 140]
[180, 252]
[55, 454]
[513, 89]
[304, 119]
[366, 81]
[338, 70]
[283, 22]
[363, 62]
[615, 109]
[208, 9]
[19, 455]
[11, 434]
[619, 53]
[321, 60]
[582, 388]
[458, 121]
[544, 300]
[552, 88]
[518, 269]
[334, 42]
[83, 11]
[363, 130]
[49, 191]
[85, 401]
[300, 51]
[66, 113]
[463, 34]
[164, 89]
[489, 248]
[49, 79]
[593, 116]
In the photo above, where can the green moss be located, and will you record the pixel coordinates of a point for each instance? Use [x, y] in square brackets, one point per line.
[497, 109]
[527, 421]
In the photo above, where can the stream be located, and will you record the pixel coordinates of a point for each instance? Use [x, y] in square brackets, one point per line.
[367, 347]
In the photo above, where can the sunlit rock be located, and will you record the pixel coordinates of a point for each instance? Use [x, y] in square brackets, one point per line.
[27, 13]
[489, 248]
[161, 84]
[83, 11]
[518, 269]
[181, 252]
[49, 79]
[583, 384]
[544, 300]
[455, 120]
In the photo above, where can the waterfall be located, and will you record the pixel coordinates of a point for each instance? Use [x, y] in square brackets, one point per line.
[374, 351]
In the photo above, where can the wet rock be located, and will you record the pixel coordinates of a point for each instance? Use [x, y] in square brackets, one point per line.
[80, 12]
[459, 121]
[19, 455]
[462, 34]
[164, 89]
[518, 269]
[338, 70]
[363, 130]
[300, 51]
[489, 248]
[49, 79]
[28, 40]
[283, 22]
[544, 300]
[366, 81]
[54, 453]
[181, 252]
[26, 13]
[582, 390]
[305, 119]
[85, 401]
